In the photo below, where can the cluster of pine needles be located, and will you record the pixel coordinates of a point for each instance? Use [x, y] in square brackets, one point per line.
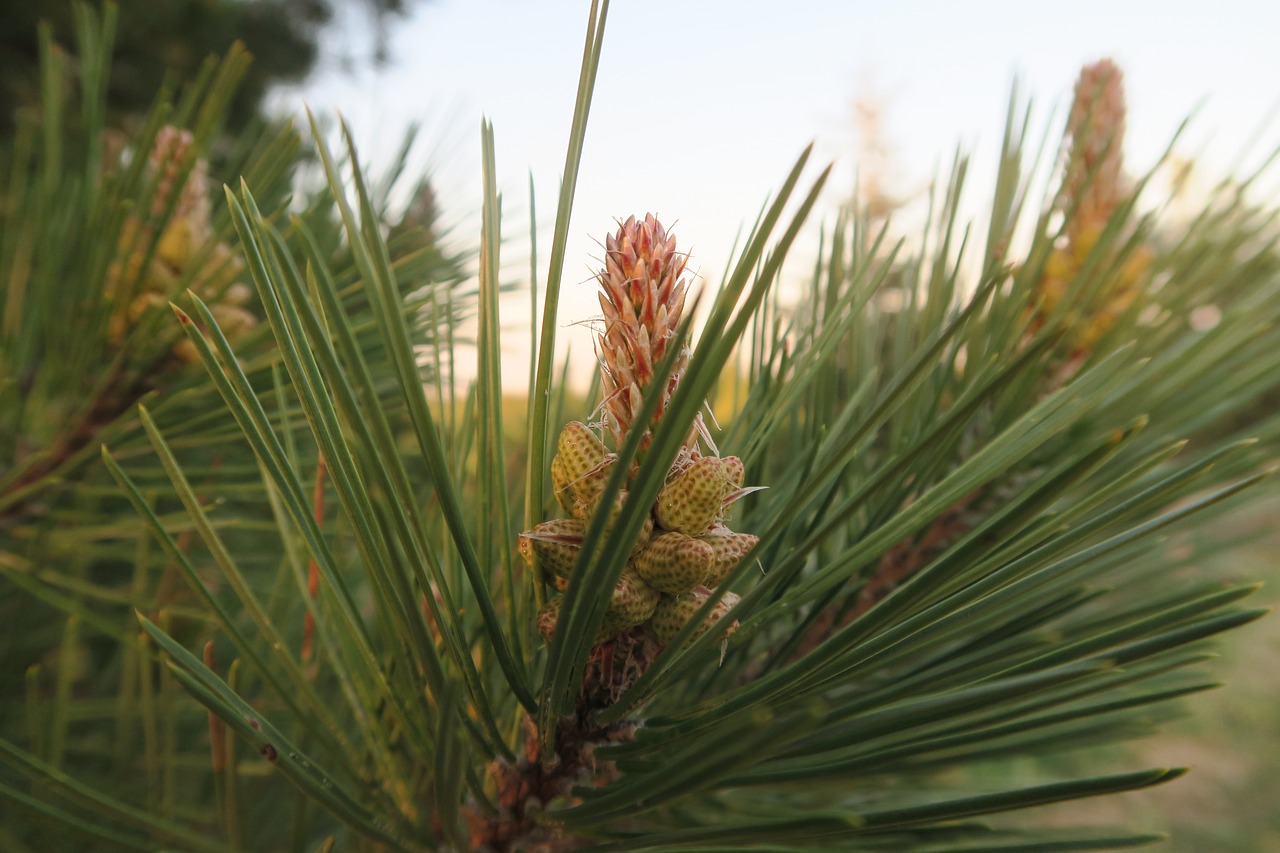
[273, 580]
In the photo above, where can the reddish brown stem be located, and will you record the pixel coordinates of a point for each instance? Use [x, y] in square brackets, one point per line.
[536, 780]
[902, 561]
[109, 404]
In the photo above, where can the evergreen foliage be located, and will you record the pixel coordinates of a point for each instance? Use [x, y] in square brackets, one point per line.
[974, 444]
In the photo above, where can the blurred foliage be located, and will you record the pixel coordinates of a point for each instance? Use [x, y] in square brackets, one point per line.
[86, 334]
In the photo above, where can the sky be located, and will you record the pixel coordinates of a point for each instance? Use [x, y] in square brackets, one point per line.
[701, 108]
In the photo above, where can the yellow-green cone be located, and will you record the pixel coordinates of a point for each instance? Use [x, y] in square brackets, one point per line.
[556, 544]
[728, 549]
[579, 449]
[549, 615]
[560, 484]
[674, 612]
[631, 603]
[692, 502]
[734, 472]
[587, 488]
[674, 563]
[584, 510]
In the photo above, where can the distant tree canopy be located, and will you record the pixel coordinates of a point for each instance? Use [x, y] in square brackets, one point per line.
[156, 37]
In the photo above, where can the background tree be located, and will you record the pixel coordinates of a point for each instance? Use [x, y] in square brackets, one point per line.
[173, 37]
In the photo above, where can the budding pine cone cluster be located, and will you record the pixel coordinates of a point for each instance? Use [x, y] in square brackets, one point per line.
[185, 240]
[684, 550]
[1093, 187]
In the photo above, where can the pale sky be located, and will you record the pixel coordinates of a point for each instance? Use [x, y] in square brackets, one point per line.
[701, 107]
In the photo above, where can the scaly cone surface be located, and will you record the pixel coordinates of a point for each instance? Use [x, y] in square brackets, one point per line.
[186, 246]
[642, 293]
[1093, 188]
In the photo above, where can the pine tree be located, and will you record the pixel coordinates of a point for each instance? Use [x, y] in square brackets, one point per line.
[925, 548]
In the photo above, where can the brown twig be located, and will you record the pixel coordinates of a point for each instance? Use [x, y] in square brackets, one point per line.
[110, 403]
[527, 786]
[900, 563]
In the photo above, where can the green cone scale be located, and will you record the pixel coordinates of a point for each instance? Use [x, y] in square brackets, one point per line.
[727, 550]
[632, 602]
[549, 616]
[734, 472]
[555, 543]
[584, 511]
[560, 484]
[692, 501]
[579, 449]
[674, 612]
[587, 488]
[674, 563]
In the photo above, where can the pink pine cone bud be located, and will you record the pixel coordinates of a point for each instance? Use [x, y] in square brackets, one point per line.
[1095, 162]
[171, 148]
[642, 296]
